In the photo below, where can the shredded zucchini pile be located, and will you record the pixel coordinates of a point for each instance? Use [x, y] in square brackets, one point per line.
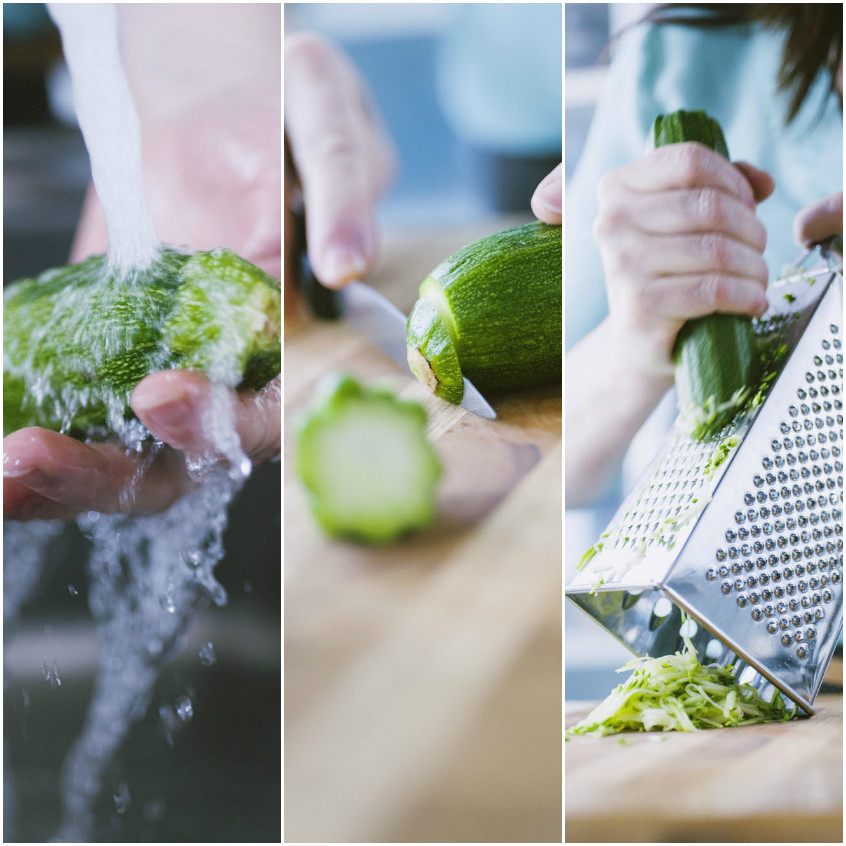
[678, 693]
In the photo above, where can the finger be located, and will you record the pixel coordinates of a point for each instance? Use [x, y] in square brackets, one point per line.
[334, 149]
[258, 417]
[705, 253]
[546, 201]
[172, 404]
[23, 503]
[761, 182]
[685, 296]
[686, 211]
[687, 165]
[819, 220]
[78, 477]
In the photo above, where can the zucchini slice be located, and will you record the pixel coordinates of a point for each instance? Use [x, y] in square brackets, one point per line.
[364, 459]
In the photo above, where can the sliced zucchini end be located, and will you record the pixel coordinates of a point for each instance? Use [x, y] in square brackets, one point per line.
[431, 353]
[430, 290]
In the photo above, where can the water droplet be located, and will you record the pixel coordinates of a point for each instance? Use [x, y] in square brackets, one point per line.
[207, 656]
[51, 676]
[93, 516]
[248, 587]
[123, 798]
[25, 698]
[184, 708]
[167, 601]
[246, 467]
[193, 557]
[72, 590]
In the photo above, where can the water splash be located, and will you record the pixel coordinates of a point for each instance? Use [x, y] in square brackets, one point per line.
[148, 577]
[24, 562]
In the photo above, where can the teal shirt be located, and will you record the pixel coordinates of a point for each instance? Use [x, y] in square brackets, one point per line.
[731, 74]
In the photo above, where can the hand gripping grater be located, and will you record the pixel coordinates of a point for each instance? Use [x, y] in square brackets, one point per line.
[745, 533]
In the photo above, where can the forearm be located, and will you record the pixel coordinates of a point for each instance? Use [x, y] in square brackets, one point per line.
[606, 402]
[177, 54]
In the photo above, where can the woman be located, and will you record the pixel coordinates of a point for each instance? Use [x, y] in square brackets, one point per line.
[678, 231]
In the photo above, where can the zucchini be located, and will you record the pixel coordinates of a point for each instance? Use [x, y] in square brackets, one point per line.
[491, 312]
[717, 363]
[78, 339]
[363, 457]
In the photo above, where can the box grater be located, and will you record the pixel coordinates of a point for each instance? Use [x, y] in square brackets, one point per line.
[743, 533]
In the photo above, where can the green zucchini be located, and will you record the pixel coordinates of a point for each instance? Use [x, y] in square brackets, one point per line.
[363, 457]
[78, 339]
[717, 363]
[491, 312]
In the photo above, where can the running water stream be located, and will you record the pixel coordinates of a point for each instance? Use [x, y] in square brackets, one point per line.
[149, 576]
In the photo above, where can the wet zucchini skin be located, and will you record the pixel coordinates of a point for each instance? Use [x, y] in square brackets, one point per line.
[500, 300]
[78, 339]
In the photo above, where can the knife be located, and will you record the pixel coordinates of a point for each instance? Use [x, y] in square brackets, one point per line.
[378, 319]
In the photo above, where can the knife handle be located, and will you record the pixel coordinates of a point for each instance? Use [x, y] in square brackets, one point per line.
[322, 301]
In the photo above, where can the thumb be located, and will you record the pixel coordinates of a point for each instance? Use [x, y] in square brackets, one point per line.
[546, 201]
[762, 183]
[172, 404]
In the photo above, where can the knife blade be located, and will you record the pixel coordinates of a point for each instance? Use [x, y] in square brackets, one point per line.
[378, 319]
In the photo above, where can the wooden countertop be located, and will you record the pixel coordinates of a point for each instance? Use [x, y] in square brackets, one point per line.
[778, 782]
[423, 680]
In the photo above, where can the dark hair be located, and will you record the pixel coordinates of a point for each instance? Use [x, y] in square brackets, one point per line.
[813, 36]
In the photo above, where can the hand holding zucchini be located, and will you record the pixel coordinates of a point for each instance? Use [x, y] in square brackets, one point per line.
[716, 358]
[364, 459]
[78, 339]
[491, 312]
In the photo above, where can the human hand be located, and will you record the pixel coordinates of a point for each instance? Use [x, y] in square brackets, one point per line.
[47, 475]
[342, 157]
[546, 201]
[818, 221]
[211, 176]
[679, 239]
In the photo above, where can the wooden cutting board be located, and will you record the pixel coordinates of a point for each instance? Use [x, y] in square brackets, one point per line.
[423, 680]
[778, 782]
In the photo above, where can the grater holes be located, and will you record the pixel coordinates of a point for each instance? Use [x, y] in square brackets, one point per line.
[714, 649]
[652, 519]
[660, 612]
[792, 511]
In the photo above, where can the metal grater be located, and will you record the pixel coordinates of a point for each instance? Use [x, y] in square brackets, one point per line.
[750, 547]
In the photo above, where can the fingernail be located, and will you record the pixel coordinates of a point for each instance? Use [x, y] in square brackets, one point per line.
[342, 263]
[548, 194]
[14, 468]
